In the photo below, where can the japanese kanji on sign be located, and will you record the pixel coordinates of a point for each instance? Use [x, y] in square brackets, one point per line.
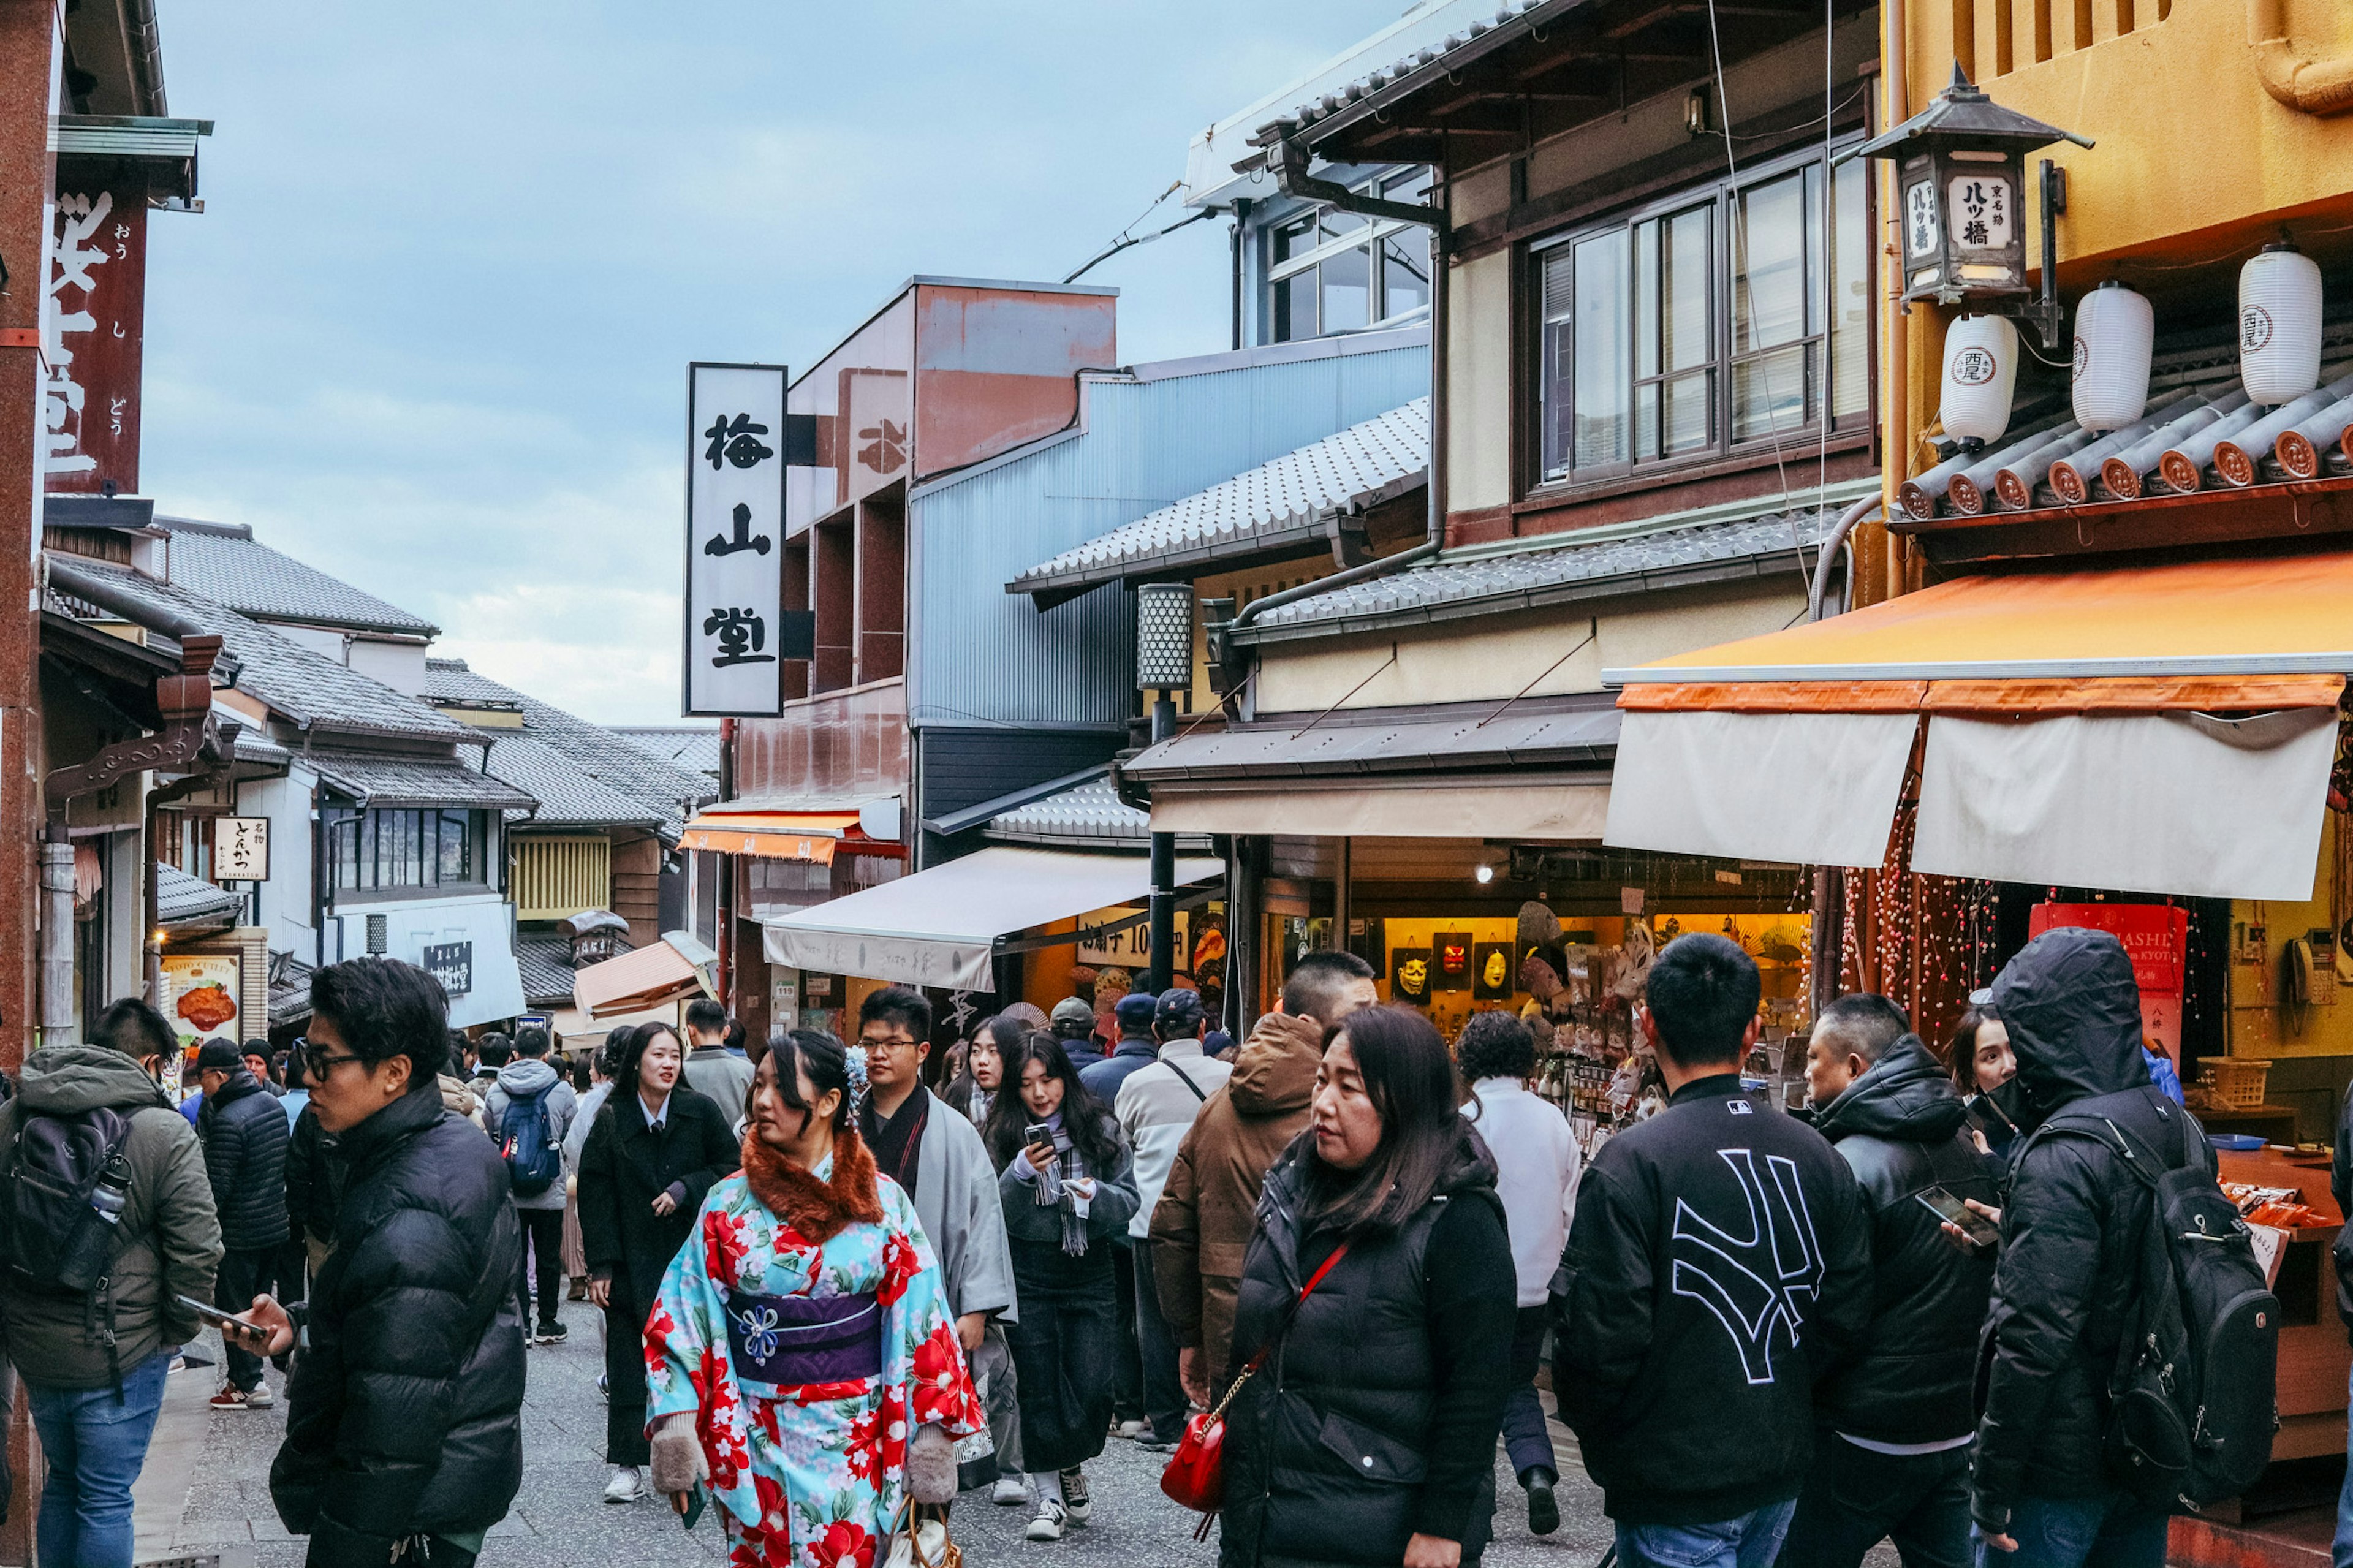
[240, 849]
[734, 539]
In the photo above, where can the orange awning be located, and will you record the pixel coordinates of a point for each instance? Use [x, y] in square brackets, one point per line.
[635, 981]
[814, 835]
[2270, 633]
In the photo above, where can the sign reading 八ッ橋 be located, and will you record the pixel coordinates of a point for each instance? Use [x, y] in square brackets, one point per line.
[735, 457]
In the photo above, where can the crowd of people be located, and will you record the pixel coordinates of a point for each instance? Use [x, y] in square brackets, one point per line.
[842, 1283]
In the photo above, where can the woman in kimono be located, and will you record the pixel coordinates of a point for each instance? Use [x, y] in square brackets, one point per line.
[800, 1359]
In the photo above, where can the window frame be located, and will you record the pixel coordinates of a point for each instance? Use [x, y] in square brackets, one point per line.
[1369, 236]
[1719, 196]
[361, 858]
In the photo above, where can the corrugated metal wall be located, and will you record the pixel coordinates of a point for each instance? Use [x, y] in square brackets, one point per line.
[984, 656]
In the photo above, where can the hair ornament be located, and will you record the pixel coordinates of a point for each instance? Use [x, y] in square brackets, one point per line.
[853, 1061]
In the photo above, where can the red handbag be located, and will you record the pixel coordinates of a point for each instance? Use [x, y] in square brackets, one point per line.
[1196, 1473]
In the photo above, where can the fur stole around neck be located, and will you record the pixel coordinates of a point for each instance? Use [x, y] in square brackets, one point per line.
[819, 1210]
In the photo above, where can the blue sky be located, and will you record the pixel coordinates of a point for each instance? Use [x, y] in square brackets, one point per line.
[430, 332]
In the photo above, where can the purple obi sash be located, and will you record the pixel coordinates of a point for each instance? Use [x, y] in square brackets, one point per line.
[785, 1341]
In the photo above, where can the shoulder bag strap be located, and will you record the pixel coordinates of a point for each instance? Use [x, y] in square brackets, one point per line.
[1266, 1350]
[1188, 1083]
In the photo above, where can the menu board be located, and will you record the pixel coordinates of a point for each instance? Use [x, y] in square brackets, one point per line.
[201, 993]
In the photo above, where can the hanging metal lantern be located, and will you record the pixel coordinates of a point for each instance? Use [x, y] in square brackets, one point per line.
[1961, 182]
[1164, 637]
[1980, 369]
[2115, 330]
[2279, 325]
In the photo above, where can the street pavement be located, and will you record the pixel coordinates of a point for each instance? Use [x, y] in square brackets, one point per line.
[560, 1521]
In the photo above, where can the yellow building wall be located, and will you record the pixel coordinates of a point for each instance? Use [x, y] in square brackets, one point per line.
[2261, 1025]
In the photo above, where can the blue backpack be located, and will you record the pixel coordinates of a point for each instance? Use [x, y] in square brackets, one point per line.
[533, 1162]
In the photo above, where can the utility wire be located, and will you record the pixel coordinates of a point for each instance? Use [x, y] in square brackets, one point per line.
[1127, 239]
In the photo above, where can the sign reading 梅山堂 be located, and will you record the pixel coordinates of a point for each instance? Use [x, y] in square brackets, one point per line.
[240, 849]
[451, 963]
[735, 539]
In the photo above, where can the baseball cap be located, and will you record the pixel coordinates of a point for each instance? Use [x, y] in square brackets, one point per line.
[1135, 1011]
[225, 1056]
[1071, 1010]
[1178, 1009]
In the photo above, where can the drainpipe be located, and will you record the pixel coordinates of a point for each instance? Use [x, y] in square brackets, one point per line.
[1896, 464]
[57, 939]
[1831, 545]
[2313, 87]
[1241, 219]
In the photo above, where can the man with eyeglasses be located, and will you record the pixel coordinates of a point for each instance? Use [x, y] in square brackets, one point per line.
[925, 1145]
[403, 1425]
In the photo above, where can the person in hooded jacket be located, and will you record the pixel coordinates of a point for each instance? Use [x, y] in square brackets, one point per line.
[530, 1083]
[402, 1421]
[1717, 1267]
[94, 1403]
[2066, 1286]
[1377, 1306]
[1207, 1212]
[245, 1137]
[1891, 1456]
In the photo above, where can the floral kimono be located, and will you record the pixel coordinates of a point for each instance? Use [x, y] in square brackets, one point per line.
[807, 1473]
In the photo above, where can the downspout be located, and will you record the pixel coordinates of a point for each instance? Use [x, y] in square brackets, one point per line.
[2312, 87]
[1241, 220]
[1896, 465]
[1831, 543]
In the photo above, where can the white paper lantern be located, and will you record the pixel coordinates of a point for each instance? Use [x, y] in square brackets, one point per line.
[1980, 368]
[2279, 325]
[2114, 330]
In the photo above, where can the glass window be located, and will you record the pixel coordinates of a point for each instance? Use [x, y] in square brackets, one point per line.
[406, 848]
[1405, 272]
[1687, 332]
[457, 848]
[1294, 307]
[1333, 271]
[1347, 289]
[1295, 238]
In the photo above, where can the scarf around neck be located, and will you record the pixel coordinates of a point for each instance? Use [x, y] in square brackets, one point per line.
[818, 1209]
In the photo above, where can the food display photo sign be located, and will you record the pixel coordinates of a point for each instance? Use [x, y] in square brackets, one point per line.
[203, 989]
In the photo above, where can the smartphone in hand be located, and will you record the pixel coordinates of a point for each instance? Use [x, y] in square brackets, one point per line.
[214, 1315]
[1981, 1231]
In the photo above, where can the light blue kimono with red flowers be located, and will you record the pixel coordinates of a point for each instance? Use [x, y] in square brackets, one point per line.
[813, 1478]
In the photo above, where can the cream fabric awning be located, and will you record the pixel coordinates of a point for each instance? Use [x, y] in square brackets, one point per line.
[940, 927]
[2157, 803]
[1811, 788]
[1374, 808]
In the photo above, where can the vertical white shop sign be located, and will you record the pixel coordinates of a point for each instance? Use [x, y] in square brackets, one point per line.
[735, 539]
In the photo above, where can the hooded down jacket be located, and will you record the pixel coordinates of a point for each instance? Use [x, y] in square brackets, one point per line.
[2066, 1286]
[1901, 1130]
[404, 1414]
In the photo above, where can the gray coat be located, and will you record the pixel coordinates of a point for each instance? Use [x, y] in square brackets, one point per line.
[171, 1235]
[719, 1075]
[955, 1198]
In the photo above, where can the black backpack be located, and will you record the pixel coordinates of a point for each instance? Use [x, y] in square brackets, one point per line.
[66, 1184]
[2192, 1399]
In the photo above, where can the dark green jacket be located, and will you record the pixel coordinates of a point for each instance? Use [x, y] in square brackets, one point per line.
[171, 1242]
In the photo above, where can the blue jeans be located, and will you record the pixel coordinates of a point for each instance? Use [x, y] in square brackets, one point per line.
[2109, 1531]
[1752, 1541]
[1526, 1438]
[94, 1445]
[2341, 1556]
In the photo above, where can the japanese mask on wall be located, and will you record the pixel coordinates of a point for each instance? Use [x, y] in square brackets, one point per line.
[1409, 974]
[1493, 979]
[1450, 957]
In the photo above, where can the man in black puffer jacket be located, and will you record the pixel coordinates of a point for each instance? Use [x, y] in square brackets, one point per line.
[403, 1412]
[243, 1130]
[1892, 1454]
[2067, 1287]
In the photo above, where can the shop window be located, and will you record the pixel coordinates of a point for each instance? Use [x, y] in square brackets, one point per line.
[1718, 323]
[392, 848]
[1333, 271]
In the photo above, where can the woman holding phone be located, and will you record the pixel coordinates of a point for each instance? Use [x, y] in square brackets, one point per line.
[1068, 1184]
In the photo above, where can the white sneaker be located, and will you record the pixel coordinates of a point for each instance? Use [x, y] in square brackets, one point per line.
[1132, 1430]
[1048, 1525]
[1075, 1500]
[1011, 1490]
[627, 1485]
[258, 1397]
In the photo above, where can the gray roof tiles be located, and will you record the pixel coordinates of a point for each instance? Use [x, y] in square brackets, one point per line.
[1088, 812]
[183, 899]
[567, 796]
[693, 747]
[227, 565]
[1277, 503]
[1553, 571]
[392, 781]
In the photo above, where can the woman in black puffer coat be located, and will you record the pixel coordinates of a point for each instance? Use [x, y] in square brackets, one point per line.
[1368, 1436]
[403, 1409]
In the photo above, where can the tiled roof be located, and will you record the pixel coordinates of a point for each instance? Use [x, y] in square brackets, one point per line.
[1665, 553]
[546, 960]
[1283, 502]
[227, 565]
[308, 687]
[416, 781]
[1089, 813]
[182, 899]
[289, 989]
[1431, 58]
[694, 747]
[567, 796]
[612, 760]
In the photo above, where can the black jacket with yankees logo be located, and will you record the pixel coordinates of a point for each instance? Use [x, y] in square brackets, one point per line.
[1719, 1263]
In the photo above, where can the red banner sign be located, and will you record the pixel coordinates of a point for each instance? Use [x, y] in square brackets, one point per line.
[96, 321]
[2156, 937]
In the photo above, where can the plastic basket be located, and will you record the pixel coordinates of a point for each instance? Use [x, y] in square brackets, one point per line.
[2236, 1081]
